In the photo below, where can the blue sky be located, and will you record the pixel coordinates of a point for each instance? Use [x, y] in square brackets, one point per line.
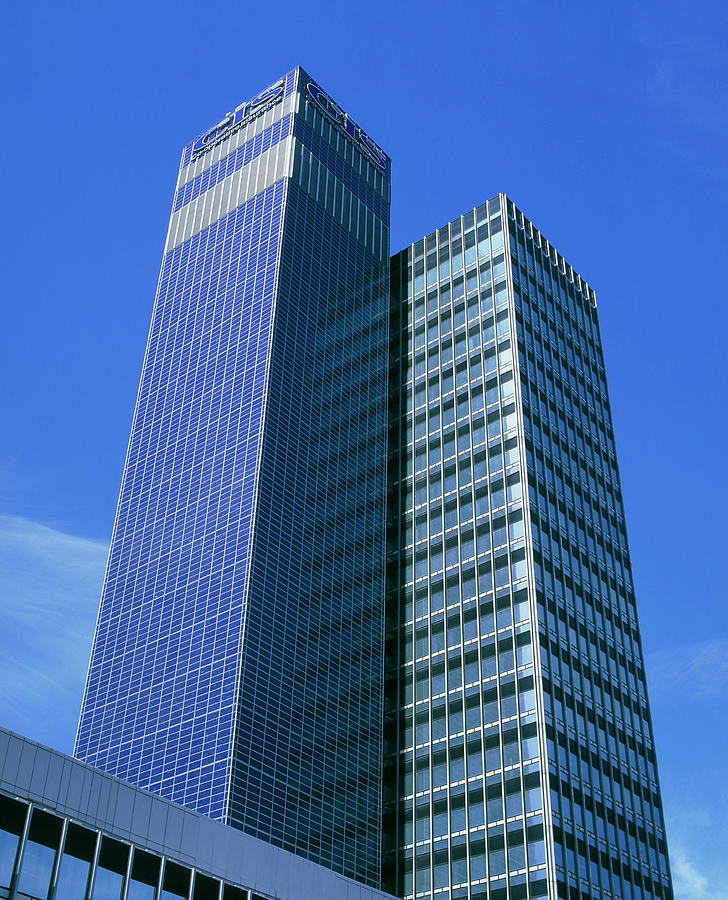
[606, 123]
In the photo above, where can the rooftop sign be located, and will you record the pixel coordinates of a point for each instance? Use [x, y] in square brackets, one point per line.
[251, 109]
[239, 117]
[342, 120]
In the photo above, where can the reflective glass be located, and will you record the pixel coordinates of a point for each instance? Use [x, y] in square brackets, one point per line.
[12, 821]
[39, 855]
[8, 851]
[72, 878]
[107, 884]
[544, 415]
[257, 462]
[36, 870]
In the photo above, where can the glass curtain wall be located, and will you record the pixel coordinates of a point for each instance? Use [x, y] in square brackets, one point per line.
[47, 857]
[462, 741]
[518, 746]
[608, 826]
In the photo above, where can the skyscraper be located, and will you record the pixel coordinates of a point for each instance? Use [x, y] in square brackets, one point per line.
[459, 711]
[519, 756]
[237, 661]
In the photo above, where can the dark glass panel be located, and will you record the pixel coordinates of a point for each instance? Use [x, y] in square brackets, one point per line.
[39, 855]
[144, 876]
[109, 878]
[206, 888]
[176, 881]
[78, 852]
[12, 820]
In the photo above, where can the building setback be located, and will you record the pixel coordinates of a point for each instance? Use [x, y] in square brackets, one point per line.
[519, 755]
[71, 832]
[237, 661]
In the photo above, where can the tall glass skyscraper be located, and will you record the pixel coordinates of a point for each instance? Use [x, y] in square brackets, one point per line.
[369, 593]
[519, 756]
[237, 662]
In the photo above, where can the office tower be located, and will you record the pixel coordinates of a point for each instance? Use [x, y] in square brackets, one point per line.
[519, 757]
[237, 662]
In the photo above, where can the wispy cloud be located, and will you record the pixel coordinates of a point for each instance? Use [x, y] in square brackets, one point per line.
[698, 838]
[49, 591]
[688, 687]
[687, 83]
[697, 671]
[688, 882]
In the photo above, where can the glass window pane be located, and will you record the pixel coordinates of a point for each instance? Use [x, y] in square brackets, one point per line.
[75, 865]
[144, 876]
[233, 893]
[109, 879]
[206, 888]
[107, 885]
[12, 820]
[35, 875]
[176, 882]
[39, 855]
[72, 878]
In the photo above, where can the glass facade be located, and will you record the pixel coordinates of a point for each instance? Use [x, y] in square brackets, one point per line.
[369, 593]
[519, 759]
[44, 856]
[237, 661]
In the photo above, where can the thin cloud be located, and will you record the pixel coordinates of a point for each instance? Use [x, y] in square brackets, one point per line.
[697, 671]
[686, 84]
[697, 838]
[688, 882]
[50, 584]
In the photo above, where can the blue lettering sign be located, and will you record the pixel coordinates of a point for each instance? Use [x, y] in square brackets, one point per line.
[337, 115]
[239, 117]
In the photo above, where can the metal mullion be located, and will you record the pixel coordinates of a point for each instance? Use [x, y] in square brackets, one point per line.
[94, 865]
[431, 816]
[428, 501]
[20, 853]
[531, 581]
[160, 878]
[409, 393]
[127, 874]
[57, 862]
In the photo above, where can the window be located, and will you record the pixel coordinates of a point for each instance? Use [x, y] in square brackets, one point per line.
[459, 866]
[39, 855]
[514, 802]
[475, 760]
[439, 773]
[12, 821]
[440, 818]
[78, 852]
[457, 814]
[109, 878]
[494, 806]
[233, 893]
[422, 780]
[441, 873]
[492, 754]
[454, 675]
[533, 799]
[422, 823]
